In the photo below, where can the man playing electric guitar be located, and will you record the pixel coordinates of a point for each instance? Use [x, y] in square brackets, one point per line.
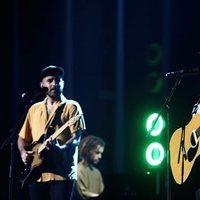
[56, 173]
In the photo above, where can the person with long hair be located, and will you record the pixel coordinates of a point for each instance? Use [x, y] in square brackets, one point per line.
[90, 182]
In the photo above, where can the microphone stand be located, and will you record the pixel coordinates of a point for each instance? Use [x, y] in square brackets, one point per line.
[10, 140]
[166, 106]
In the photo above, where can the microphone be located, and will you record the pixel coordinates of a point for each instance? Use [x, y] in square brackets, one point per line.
[35, 93]
[192, 71]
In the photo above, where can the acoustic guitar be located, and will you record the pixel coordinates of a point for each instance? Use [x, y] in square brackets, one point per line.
[38, 147]
[184, 149]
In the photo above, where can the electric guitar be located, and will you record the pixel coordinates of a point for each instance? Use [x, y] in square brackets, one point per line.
[184, 149]
[38, 147]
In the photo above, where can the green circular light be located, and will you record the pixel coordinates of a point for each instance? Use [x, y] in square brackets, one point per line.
[158, 127]
[155, 154]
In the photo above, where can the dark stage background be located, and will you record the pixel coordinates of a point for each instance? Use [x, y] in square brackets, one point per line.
[115, 54]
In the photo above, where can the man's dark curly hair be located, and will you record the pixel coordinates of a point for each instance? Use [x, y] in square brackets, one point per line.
[88, 144]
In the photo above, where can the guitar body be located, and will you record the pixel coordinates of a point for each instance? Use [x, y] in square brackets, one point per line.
[184, 149]
[38, 147]
[37, 161]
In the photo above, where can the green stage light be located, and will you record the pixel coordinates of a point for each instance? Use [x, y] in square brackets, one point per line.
[155, 154]
[155, 129]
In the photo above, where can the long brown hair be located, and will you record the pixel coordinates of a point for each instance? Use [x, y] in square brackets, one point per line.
[89, 144]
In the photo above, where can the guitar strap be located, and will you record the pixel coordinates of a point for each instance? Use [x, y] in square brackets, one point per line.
[55, 121]
[183, 153]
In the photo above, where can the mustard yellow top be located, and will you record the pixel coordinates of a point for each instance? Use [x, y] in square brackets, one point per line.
[62, 162]
[89, 181]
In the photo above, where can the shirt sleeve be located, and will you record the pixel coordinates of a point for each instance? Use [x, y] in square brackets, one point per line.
[25, 132]
[80, 124]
